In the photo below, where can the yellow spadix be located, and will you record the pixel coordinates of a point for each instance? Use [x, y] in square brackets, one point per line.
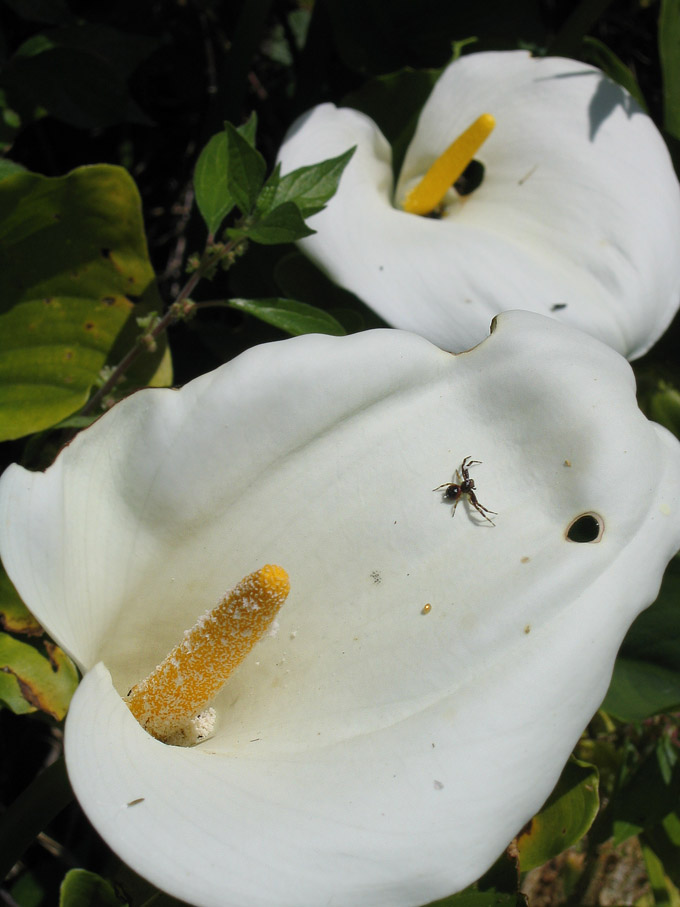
[429, 192]
[196, 669]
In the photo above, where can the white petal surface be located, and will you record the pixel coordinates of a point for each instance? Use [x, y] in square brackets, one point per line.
[577, 217]
[367, 754]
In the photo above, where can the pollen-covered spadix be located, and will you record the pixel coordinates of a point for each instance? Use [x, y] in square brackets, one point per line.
[576, 217]
[375, 751]
[168, 702]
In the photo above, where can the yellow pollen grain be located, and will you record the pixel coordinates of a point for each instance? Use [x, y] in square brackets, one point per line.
[430, 191]
[196, 669]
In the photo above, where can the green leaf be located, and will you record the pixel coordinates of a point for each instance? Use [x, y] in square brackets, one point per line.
[581, 19]
[81, 888]
[9, 168]
[457, 47]
[35, 45]
[566, 817]
[283, 224]
[14, 615]
[664, 840]
[669, 53]
[245, 169]
[28, 889]
[640, 689]
[10, 124]
[664, 892]
[596, 52]
[266, 200]
[10, 694]
[659, 399]
[309, 188]
[210, 183]
[647, 798]
[298, 278]
[229, 172]
[293, 317]
[249, 129]
[646, 677]
[46, 682]
[73, 260]
[32, 810]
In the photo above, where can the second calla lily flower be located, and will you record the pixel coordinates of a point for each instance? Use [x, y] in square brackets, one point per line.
[577, 214]
[430, 674]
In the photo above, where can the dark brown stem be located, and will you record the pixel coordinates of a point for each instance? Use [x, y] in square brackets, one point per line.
[173, 314]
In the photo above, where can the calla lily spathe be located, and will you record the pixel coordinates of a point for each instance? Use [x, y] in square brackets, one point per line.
[374, 751]
[577, 217]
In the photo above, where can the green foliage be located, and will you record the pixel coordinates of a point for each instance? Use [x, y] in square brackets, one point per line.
[669, 53]
[230, 173]
[499, 885]
[210, 182]
[10, 124]
[664, 892]
[8, 168]
[663, 841]
[660, 401]
[29, 812]
[308, 188]
[14, 615]
[646, 676]
[81, 888]
[647, 797]
[282, 225]
[597, 53]
[297, 277]
[566, 817]
[290, 316]
[245, 169]
[46, 682]
[578, 23]
[32, 677]
[73, 259]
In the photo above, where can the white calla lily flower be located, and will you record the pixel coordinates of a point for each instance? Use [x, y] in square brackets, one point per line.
[430, 674]
[577, 215]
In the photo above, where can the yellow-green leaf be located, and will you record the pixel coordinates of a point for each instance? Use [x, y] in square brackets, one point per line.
[14, 615]
[82, 888]
[565, 818]
[73, 260]
[45, 682]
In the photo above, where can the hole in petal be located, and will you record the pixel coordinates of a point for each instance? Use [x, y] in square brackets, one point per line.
[470, 179]
[587, 527]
